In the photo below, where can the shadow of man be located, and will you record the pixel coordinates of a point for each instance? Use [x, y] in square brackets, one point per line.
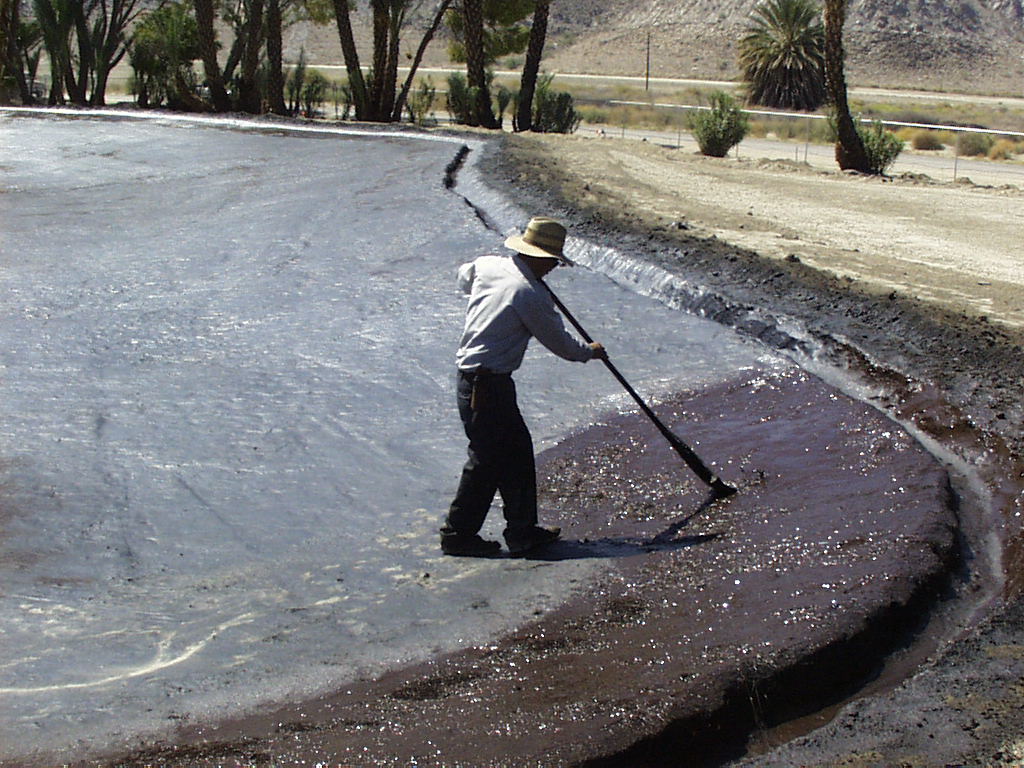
[610, 547]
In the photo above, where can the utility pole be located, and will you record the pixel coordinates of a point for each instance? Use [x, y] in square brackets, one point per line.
[647, 69]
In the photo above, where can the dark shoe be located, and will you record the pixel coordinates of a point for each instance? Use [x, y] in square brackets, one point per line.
[522, 542]
[469, 546]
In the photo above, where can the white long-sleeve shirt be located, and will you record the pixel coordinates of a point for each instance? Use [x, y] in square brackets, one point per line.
[508, 306]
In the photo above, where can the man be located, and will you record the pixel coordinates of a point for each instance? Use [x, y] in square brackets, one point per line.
[508, 305]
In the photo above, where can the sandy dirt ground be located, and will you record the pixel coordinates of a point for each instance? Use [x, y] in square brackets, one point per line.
[956, 245]
[914, 284]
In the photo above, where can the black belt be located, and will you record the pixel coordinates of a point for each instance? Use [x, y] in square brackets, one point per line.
[482, 373]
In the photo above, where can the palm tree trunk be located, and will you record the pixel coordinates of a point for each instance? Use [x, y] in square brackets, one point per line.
[387, 97]
[850, 154]
[208, 53]
[55, 43]
[356, 83]
[380, 57]
[11, 60]
[97, 43]
[476, 74]
[275, 74]
[78, 86]
[8, 34]
[249, 91]
[531, 68]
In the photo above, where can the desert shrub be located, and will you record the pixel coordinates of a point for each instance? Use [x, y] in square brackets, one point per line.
[1003, 149]
[882, 146]
[344, 95]
[721, 127]
[460, 99]
[975, 144]
[554, 111]
[502, 98]
[924, 139]
[161, 52]
[296, 82]
[421, 102]
[314, 91]
[556, 114]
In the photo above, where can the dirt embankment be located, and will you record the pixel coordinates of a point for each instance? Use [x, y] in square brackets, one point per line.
[916, 287]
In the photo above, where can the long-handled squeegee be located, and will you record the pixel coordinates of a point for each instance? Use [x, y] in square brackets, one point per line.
[719, 488]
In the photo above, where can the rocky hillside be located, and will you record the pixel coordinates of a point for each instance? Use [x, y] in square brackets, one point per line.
[947, 44]
[956, 45]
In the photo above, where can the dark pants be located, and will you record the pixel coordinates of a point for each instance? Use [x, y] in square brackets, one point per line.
[500, 458]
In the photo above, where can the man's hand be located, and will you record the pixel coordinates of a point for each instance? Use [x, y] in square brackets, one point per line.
[600, 353]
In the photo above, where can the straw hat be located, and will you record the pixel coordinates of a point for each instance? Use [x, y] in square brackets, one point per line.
[543, 238]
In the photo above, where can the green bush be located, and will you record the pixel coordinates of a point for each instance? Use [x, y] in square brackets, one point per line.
[160, 53]
[554, 112]
[1003, 149]
[460, 99]
[882, 146]
[924, 139]
[975, 144]
[502, 98]
[421, 102]
[296, 82]
[720, 128]
[314, 92]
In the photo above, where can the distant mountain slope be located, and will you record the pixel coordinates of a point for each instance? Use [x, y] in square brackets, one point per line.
[957, 45]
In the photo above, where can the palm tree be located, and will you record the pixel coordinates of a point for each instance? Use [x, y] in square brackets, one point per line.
[8, 30]
[376, 96]
[534, 51]
[22, 51]
[356, 81]
[850, 152]
[249, 97]
[472, 16]
[275, 66]
[388, 21]
[57, 20]
[782, 55]
[208, 53]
